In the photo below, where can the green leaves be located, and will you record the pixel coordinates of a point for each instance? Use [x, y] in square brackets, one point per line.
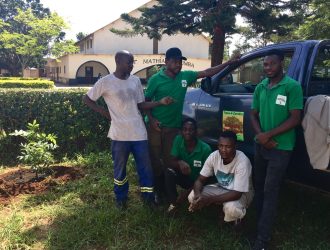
[59, 111]
[317, 24]
[16, 82]
[30, 37]
[37, 151]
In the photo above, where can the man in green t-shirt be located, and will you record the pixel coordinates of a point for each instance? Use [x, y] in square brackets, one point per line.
[276, 111]
[188, 157]
[164, 123]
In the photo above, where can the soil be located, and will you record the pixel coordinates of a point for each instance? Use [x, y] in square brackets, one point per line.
[19, 181]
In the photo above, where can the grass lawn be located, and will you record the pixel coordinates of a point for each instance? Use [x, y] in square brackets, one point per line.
[81, 215]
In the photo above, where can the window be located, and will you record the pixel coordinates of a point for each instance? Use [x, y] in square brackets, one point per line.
[91, 43]
[320, 78]
[245, 78]
[64, 69]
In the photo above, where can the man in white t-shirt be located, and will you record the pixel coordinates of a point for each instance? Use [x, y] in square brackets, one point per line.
[232, 170]
[123, 94]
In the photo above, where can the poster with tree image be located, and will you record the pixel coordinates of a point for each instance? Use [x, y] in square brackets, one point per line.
[233, 120]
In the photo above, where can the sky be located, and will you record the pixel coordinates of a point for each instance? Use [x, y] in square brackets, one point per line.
[88, 16]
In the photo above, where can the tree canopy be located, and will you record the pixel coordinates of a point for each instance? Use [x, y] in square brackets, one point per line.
[215, 17]
[28, 33]
[317, 23]
[80, 35]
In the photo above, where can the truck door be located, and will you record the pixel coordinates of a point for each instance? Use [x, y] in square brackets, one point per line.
[317, 82]
[229, 105]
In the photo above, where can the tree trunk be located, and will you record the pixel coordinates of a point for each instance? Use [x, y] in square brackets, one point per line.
[218, 45]
[155, 46]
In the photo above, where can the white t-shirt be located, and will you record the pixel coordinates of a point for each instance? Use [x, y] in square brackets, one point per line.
[233, 176]
[122, 97]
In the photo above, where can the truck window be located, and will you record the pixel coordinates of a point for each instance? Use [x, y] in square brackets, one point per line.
[320, 78]
[245, 78]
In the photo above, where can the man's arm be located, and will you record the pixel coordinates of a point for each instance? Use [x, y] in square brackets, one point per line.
[179, 165]
[229, 196]
[153, 122]
[254, 116]
[291, 122]
[201, 201]
[198, 185]
[213, 70]
[90, 103]
[149, 105]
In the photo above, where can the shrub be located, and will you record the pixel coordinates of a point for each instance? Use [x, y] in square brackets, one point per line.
[60, 111]
[36, 152]
[16, 82]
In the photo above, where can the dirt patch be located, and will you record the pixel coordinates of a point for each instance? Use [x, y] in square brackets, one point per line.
[23, 181]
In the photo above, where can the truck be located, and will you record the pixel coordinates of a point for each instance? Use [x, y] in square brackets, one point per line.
[224, 101]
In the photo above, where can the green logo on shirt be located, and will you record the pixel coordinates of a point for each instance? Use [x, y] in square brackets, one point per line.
[224, 179]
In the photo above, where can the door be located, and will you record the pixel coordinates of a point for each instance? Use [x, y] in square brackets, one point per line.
[317, 82]
[89, 74]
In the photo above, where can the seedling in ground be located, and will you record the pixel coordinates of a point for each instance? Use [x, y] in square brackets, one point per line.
[37, 151]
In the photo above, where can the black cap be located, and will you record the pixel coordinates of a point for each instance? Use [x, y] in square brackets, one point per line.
[174, 53]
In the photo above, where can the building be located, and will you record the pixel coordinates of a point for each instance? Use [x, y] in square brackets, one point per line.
[97, 50]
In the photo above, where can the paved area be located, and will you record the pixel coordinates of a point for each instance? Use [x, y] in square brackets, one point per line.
[61, 85]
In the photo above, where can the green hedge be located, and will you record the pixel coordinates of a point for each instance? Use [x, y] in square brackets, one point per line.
[15, 82]
[61, 112]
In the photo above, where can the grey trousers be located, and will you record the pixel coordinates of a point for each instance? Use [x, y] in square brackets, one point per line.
[233, 210]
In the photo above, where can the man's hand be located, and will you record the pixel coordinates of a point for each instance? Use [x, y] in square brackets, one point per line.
[270, 144]
[166, 100]
[235, 58]
[184, 167]
[199, 202]
[155, 124]
[263, 138]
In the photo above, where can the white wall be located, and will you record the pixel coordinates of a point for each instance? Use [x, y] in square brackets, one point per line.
[106, 42]
[73, 62]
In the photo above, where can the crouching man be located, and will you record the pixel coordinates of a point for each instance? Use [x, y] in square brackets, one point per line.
[188, 156]
[232, 170]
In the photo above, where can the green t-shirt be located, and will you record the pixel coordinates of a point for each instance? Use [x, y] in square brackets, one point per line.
[195, 159]
[274, 106]
[161, 85]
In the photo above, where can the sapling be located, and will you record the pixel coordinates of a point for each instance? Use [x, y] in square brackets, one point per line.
[36, 152]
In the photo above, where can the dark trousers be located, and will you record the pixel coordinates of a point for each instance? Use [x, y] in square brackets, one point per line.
[160, 145]
[120, 153]
[269, 169]
[173, 178]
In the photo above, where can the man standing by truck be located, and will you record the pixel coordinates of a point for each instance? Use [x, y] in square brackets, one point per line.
[164, 123]
[276, 111]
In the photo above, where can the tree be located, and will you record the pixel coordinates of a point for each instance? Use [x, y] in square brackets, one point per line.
[80, 35]
[317, 24]
[40, 36]
[9, 9]
[215, 17]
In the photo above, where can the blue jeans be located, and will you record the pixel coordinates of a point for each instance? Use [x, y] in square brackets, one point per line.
[120, 153]
[269, 169]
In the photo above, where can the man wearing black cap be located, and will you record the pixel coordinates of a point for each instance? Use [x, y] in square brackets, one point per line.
[165, 121]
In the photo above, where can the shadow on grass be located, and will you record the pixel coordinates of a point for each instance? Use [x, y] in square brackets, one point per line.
[86, 218]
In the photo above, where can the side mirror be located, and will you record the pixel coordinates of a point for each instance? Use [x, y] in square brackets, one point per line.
[206, 85]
